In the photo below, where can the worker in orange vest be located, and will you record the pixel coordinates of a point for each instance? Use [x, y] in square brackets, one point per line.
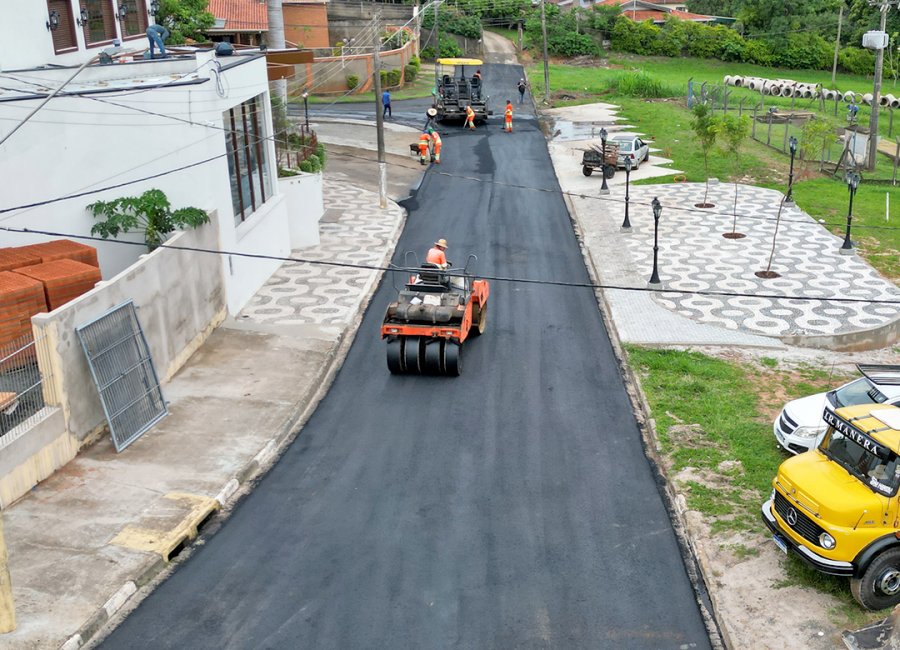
[436, 254]
[470, 118]
[436, 146]
[424, 144]
[508, 124]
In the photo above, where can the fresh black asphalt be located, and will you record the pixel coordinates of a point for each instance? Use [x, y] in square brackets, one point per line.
[512, 507]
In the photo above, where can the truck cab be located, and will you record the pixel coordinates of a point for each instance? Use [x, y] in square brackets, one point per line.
[837, 508]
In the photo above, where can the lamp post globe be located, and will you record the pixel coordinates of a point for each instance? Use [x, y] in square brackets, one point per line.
[626, 225]
[852, 184]
[654, 277]
[604, 188]
[789, 199]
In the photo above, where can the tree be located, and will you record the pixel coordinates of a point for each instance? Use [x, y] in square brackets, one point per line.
[150, 213]
[706, 128]
[185, 19]
[815, 138]
[734, 131]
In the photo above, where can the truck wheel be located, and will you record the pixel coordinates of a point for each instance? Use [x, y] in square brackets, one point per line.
[879, 585]
[587, 171]
[609, 171]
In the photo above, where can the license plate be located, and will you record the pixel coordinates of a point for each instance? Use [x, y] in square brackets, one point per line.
[780, 543]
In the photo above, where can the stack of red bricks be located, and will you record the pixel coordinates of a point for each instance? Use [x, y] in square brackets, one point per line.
[41, 277]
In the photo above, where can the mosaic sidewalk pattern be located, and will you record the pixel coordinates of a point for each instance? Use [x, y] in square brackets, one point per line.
[694, 256]
[353, 230]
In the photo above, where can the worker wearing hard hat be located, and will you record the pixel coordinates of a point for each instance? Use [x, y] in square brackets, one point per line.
[436, 146]
[424, 145]
[508, 117]
[470, 118]
[436, 254]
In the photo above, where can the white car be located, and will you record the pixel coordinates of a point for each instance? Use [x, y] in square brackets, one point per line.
[631, 147]
[800, 424]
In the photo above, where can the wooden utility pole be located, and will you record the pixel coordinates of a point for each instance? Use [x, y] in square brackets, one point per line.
[379, 115]
[883, 7]
[546, 63]
[837, 45]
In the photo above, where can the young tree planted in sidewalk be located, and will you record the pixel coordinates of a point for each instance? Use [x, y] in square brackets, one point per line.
[150, 213]
[706, 128]
[817, 135]
[734, 130]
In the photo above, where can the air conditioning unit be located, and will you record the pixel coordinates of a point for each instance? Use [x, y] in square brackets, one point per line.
[875, 40]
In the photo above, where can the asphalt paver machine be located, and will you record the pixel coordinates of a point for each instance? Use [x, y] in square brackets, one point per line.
[454, 90]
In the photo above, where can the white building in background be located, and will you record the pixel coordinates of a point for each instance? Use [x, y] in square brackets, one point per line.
[197, 126]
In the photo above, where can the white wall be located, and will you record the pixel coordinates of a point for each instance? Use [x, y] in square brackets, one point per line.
[85, 142]
[305, 207]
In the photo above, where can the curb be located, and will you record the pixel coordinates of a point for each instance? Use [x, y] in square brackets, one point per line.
[696, 563]
[253, 470]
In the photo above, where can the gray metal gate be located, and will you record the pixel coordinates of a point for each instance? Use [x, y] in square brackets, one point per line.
[123, 372]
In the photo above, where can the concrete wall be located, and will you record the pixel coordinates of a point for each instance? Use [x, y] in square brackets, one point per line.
[303, 214]
[346, 20]
[180, 299]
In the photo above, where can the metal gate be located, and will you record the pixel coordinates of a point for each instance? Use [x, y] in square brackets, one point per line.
[123, 372]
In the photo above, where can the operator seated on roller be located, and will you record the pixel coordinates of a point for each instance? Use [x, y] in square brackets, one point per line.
[436, 254]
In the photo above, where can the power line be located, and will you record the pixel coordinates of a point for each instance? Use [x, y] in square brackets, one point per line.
[455, 273]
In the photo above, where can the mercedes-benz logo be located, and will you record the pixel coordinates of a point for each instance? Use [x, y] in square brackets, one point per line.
[792, 517]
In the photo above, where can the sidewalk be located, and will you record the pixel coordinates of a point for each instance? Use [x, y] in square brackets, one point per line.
[694, 256]
[85, 539]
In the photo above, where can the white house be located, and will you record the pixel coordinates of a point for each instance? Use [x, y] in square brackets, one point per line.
[74, 130]
[197, 126]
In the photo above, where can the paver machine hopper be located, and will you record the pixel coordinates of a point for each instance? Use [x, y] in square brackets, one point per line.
[434, 314]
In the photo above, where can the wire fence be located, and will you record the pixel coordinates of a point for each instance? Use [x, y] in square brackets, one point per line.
[25, 390]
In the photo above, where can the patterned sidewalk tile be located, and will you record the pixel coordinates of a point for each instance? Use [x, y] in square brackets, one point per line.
[356, 232]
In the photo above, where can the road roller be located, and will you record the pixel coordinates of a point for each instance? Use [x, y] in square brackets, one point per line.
[435, 312]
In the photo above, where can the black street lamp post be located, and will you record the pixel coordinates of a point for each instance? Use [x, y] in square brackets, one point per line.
[852, 184]
[626, 225]
[654, 277]
[789, 199]
[306, 109]
[604, 189]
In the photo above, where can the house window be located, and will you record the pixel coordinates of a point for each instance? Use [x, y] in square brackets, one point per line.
[101, 23]
[64, 35]
[248, 157]
[135, 22]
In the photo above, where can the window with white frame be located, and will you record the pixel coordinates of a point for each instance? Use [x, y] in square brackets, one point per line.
[248, 157]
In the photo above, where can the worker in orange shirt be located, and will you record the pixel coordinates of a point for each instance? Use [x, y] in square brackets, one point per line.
[436, 254]
[424, 145]
[436, 146]
[470, 118]
[508, 117]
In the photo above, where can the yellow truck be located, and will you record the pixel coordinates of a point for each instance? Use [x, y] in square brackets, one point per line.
[836, 506]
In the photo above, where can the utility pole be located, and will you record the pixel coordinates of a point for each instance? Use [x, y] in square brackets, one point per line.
[837, 45]
[519, 25]
[883, 7]
[379, 115]
[437, 41]
[275, 41]
[546, 65]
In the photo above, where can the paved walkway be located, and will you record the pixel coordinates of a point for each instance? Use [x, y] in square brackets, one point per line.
[694, 256]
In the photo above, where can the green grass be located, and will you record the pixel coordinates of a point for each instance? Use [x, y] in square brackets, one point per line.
[509, 34]
[667, 123]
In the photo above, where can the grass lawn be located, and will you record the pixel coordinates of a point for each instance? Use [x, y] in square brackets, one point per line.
[509, 34]
[709, 410]
[668, 123]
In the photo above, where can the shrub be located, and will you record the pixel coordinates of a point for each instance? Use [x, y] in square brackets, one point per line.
[427, 52]
[306, 166]
[150, 213]
[352, 81]
[320, 152]
[758, 52]
[856, 60]
[384, 79]
[409, 73]
[415, 62]
[393, 77]
[641, 84]
[286, 173]
[314, 163]
[805, 50]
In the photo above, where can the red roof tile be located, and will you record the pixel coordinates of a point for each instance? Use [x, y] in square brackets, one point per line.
[240, 15]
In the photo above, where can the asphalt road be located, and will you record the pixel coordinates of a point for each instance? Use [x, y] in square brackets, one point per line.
[512, 507]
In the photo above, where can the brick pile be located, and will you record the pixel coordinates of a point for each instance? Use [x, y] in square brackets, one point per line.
[14, 258]
[21, 298]
[63, 249]
[63, 279]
